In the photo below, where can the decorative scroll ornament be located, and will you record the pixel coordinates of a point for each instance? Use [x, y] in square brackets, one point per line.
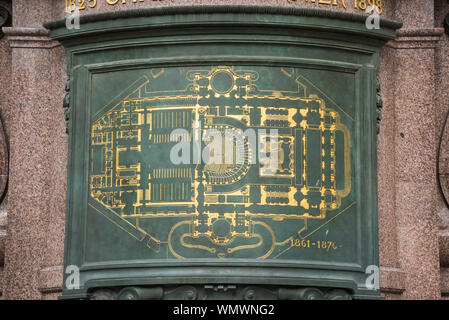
[379, 105]
[206, 292]
[66, 104]
[443, 161]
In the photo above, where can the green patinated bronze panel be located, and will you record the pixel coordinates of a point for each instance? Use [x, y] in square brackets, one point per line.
[222, 147]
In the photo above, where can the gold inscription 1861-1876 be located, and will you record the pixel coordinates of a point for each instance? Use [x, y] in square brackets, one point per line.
[71, 5]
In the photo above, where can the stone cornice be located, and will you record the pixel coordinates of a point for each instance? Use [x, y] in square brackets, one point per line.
[416, 38]
[19, 37]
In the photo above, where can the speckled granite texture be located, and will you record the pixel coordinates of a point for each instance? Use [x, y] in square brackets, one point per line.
[413, 213]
